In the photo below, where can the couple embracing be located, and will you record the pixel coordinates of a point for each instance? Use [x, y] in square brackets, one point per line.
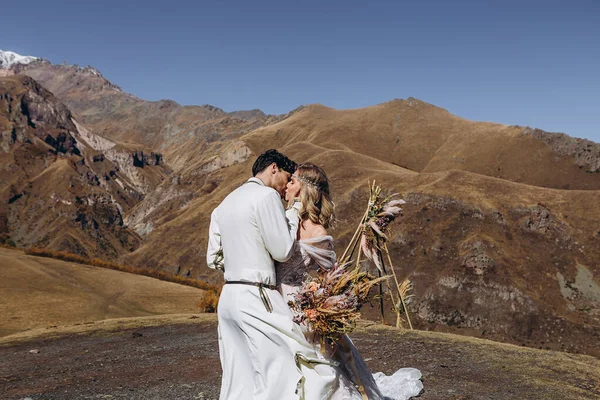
[265, 253]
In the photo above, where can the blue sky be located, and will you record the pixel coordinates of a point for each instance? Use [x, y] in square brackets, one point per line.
[527, 62]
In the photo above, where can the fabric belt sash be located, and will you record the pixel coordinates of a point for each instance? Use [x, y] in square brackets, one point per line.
[261, 291]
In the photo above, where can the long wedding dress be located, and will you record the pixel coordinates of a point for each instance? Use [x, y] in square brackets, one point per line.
[310, 254]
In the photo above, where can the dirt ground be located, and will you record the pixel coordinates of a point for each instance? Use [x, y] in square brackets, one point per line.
[176, 357]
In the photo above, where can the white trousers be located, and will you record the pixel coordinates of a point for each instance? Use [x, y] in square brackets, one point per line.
[259, 350]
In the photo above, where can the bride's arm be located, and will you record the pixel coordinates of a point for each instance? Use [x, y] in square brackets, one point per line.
[277, 228]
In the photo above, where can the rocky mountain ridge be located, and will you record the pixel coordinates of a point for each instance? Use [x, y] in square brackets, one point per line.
[64, 187]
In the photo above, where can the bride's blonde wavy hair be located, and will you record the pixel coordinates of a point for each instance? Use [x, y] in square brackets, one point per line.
[314, 194]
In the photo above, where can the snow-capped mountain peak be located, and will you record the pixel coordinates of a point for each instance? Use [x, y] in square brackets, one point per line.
[9, 58]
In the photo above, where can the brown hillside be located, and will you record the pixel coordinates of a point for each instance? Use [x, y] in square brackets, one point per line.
[59, 191]
[424, 138]
[179, 132]
[40, 292]
[488, 257]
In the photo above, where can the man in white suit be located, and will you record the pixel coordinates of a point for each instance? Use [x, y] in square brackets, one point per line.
[263, 353]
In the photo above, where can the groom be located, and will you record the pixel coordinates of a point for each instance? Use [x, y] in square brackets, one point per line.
[264, 355]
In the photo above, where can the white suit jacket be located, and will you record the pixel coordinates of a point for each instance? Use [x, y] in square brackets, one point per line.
[252, 228]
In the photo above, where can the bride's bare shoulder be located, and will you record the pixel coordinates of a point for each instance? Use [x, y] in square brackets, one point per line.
[319, 231]
[311, 230]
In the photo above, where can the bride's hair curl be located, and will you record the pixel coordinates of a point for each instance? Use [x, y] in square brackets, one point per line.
[314, 194]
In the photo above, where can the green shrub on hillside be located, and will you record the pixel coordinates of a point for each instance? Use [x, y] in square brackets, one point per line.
[7, 241]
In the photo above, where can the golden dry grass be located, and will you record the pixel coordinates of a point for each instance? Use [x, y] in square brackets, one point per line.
[64, 256]
[104, 326]
[40, 292]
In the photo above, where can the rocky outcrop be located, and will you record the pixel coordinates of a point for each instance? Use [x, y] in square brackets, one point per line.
[33, 112]
[235, 153]
[62, 143]
[140, 159]
[475, 256]
[538, 219]
[585, 152]
[56, 191]
[42, 109]
[248, 114]
[92, 140]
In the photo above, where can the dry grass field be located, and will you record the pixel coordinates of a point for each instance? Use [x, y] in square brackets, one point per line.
[40, 292]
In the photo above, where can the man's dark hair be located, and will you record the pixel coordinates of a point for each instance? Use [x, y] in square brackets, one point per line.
[273, 156]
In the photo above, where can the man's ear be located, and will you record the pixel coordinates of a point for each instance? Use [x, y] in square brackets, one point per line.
[274, 168]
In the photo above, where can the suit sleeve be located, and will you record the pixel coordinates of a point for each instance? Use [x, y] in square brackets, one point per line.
[214, 253]
[277, 227]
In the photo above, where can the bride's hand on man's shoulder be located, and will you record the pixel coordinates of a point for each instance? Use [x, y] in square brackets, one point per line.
[295, 204]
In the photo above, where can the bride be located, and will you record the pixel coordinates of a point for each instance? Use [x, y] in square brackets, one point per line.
[314, 250]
